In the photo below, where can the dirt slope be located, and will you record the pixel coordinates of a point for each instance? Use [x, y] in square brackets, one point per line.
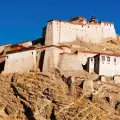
[39, 96]
[108, 46]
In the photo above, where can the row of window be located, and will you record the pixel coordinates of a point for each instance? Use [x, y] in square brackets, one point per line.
[67, 29]
[107, 24]
[50, 24]
[108, 59]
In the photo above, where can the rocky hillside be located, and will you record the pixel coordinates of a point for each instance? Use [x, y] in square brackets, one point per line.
[51, 96]
[107, 46]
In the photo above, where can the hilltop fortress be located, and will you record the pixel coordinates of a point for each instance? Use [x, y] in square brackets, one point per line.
[52, 50]
[92, 31]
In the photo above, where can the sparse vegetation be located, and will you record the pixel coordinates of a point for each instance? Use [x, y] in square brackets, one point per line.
[39, 96]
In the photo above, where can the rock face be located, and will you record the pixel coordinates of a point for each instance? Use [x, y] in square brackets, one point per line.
[39, 96]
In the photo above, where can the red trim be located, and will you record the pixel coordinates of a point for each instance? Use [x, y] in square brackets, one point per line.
[68, 53]
[65, 46]
[3, 56]
[106, 22]
[34, 48]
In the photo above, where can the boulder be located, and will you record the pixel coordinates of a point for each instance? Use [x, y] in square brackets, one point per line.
[88, 86]
[102, 78]
[116, 79]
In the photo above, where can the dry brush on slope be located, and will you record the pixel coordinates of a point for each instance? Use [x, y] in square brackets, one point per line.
[39, 96]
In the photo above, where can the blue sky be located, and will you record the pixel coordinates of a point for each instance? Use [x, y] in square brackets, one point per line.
[22, 20]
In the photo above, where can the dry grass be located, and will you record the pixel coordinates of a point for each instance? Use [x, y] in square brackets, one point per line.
[108, 46]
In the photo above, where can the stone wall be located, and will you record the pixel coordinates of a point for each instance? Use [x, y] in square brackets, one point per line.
[51, 58]
[70, 62]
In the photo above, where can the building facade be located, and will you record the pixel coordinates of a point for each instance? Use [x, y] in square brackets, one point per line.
[107, 64]
[58, 31]
[62, 57]
[20, 62]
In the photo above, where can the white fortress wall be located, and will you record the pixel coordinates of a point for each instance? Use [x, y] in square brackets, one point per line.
[56, 32]
[108, 30]
[67, 32]
[93, 33]
[51, 58]
[49, 35]
[48, 60]
[63, 31]
[52, 33]
[20, 62]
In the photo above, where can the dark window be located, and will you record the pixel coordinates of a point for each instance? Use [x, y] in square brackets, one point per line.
[91, 59]
[103, 58]
[115, 60]
[108, 59]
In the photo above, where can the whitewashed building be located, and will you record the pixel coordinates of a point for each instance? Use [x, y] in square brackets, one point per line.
[20, 62]
[58, 31]
[105, 64]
